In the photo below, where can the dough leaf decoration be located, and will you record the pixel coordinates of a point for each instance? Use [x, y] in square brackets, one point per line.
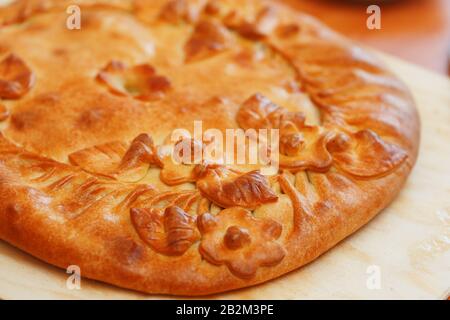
[286, 31]
[258, 112]
[243, 243]
[208, 39]
[118, 160]
[191, 201]
[16, 78]
[264, 22]
[228, 188]
[175, 11]
[170, 232]
[302, 210]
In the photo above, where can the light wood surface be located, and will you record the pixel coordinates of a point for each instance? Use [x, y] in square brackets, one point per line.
[409, 241]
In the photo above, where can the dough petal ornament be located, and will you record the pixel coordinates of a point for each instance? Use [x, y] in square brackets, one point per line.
[364, 154]
[140, 81]
[244, 243]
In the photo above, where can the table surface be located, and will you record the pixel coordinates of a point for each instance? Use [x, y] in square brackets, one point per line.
[417, 31]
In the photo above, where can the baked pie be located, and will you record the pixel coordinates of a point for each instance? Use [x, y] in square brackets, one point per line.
[87, 175]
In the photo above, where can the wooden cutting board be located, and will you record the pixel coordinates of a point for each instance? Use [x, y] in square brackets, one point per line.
[408, 243]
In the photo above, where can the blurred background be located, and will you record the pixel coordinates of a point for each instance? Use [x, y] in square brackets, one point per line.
[416, 30]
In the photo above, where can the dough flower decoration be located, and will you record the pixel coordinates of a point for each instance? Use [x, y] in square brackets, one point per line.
[16, 78]
[140, 81]
[243, 243]
[302, 146]
[179, 161]
[364, 154]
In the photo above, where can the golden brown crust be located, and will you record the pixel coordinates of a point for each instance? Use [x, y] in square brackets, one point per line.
[80, 183]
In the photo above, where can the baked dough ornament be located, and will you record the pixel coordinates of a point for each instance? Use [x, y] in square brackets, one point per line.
[85, 175]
